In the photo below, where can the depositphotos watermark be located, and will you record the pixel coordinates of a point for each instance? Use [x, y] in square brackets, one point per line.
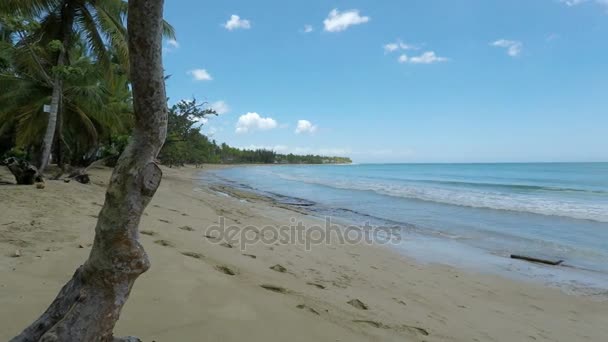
[297, 233]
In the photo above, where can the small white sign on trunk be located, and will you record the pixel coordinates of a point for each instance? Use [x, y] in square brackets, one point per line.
[47, 108]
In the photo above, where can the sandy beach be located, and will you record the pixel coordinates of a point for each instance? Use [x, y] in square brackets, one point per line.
[200, 289]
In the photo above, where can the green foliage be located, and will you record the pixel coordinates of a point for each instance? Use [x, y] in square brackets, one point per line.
[15, 152]
[187, 145]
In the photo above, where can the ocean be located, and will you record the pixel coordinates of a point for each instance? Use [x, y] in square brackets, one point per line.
[465, 215]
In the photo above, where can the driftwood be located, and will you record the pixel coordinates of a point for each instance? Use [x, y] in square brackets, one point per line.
[24, 172]
[537, 260]
[81, 176]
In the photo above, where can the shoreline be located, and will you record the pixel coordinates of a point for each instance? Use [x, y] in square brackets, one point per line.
[440, 248]
[189, 295]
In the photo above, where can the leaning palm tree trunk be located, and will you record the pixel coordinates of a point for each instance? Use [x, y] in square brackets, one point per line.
[89, 305]
[51, 125]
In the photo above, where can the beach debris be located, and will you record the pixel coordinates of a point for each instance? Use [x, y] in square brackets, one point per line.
[537, 260]
[226, 270]
[80, 246]
[187, 228]
[164, 243]
[278, 268]
[40, 185]
[67, 180]
[17, 254]
[307, 308]
[193, 255]
[24, 172]
[80, 175]
[357, 304]
[274, 288]
[319, 286]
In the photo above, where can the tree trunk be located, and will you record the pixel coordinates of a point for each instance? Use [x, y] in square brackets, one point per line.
[89, 305]
[49, 134]
[67, 22]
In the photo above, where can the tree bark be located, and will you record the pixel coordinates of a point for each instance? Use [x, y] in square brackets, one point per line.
[49, 134]
[89, 305]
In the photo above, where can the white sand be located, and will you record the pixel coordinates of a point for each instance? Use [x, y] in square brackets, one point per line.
[182, 298]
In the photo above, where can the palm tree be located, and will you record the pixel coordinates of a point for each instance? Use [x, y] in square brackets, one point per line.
[93, 104]
[100, 22]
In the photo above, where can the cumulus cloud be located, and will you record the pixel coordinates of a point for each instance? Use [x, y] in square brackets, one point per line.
[200, 75]
[428, 57]
[170, 46]
[399, 45]
[235, 22]
[323, 151]
[254, 122]
[173, 43]
[513, 47]
[220, 107]
[338, 21]
[572, 3]
[307, 28]
[305, 126]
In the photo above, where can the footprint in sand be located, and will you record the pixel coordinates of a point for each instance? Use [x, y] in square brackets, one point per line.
[193, 255]
[211, 237]
[400, 301]
[250, 256]
[274, 288]
[278, 268]
[163, 220]
[164, 243]
[404, 327]
[187, 228]
[148, 232]
[226, 244]
[308, 308]
[374, 324]
[319, 286]
[358, 304]
[226, 270]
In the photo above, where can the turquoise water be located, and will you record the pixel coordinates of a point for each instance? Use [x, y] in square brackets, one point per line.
[465, 214]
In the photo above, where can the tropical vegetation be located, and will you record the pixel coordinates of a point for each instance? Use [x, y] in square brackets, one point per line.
[65, 93]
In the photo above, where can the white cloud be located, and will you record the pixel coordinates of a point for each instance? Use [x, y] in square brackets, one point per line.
[220, 107]
[391, 47]
[173, 43]
[200, 75]
[513, 47]
[399, 45]
[283, 149]
[307, 28]
[170, 46]
[235, 22]
[305, 126]
[572, 3]
[339, 21]
[428, 57]
[253, 121]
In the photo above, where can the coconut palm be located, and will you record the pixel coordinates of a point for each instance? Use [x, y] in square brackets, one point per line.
[93, 105]
[101, 23]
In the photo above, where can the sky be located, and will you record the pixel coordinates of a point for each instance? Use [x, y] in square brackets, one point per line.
[398, 80]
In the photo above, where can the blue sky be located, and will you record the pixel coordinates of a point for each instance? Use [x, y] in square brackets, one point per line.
[399, 80]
